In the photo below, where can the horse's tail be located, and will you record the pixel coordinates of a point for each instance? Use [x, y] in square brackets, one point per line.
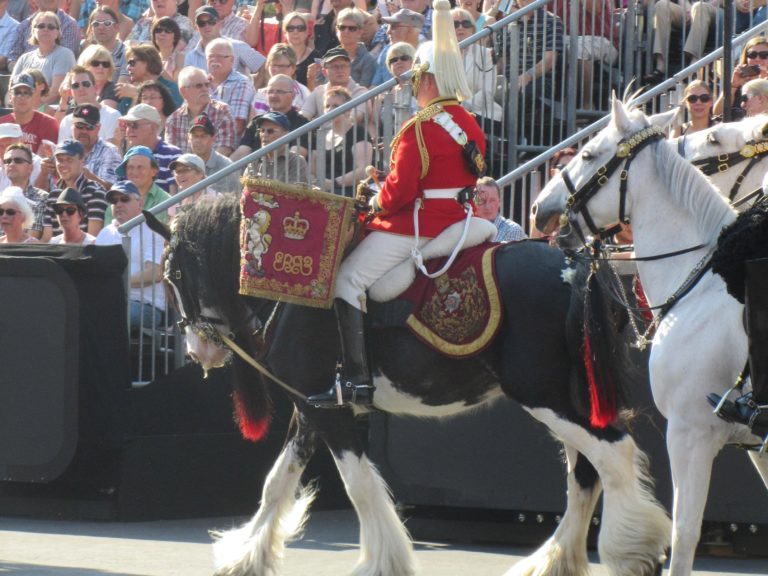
[250, 396]
[596, 322]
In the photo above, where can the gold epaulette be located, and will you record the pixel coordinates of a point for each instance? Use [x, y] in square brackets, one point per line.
[424, 115]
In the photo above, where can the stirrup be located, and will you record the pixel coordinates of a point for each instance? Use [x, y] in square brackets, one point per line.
[341, 395]
[722, 400]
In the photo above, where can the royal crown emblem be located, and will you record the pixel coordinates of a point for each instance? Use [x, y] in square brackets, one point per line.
[295, 227]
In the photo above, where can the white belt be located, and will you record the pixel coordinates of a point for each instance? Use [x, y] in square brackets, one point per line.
[436, 193]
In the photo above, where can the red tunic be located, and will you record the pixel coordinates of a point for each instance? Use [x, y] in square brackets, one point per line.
[447, 169]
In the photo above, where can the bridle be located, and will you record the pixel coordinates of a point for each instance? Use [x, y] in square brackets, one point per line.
[626, 151]
[752, 152]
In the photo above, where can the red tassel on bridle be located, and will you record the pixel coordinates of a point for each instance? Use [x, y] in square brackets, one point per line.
[253, 430]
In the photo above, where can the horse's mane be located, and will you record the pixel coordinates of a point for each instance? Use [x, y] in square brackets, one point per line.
[693, 191]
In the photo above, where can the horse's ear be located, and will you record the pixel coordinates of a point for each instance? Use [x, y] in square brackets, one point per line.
[619, 115]
[665, 119]
[156, 226]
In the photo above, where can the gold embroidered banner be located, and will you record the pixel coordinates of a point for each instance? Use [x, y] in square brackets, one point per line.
[292, 239]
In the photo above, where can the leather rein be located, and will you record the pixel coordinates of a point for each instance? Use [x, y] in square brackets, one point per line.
[752, 152]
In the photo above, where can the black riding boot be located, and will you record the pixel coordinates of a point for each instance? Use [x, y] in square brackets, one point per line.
[752, 408]
[356, 386]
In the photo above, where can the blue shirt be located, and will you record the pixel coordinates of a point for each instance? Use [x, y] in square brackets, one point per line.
[8, 28]
[165, 154]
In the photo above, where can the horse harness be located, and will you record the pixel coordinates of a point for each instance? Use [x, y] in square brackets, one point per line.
[752, 152]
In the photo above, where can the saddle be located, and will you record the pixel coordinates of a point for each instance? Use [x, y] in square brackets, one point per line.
[458, 313]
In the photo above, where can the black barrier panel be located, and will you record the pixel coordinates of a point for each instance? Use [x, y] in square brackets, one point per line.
[65, 366]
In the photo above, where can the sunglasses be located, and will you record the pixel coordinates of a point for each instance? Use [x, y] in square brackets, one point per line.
[268, 131]
[133, 61]
[15, 160]
[46, 26]
[121, 199]
[104, 23]
[693, 98]
[84, 84]
[394, 60]
[10, 211]
[206, 22]
[463, 24]
[70, 210]
[297, 28]
[347, 28]
[745, 97]
[102, 63]
[84, 126]
[163, 31]
[754, 54]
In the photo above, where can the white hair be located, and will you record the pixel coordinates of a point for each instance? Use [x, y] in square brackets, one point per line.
[189, 72]
[219, 42]
[15, 195]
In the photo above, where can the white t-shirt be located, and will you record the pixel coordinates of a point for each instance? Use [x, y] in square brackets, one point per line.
[89, 239]
[109, 119]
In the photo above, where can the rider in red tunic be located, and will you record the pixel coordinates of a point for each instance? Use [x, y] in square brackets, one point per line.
[436, 158]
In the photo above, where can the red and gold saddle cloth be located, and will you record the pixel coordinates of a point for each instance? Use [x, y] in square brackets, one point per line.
[460, 312]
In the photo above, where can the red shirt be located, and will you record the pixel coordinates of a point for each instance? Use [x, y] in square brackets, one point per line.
[447, 169]
[41, 127]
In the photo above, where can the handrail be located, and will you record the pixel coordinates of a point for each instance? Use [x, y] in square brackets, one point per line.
[318, 122]
[669, 83]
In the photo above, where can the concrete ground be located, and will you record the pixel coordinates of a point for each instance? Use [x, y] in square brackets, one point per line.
[32, 547]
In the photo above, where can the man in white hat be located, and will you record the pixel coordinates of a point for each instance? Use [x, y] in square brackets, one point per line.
[11, 134]
[436, 160]
[143, 125]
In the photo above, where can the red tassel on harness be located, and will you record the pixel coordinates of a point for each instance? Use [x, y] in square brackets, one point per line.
[253, 430]
[642, 301]
[603, 408]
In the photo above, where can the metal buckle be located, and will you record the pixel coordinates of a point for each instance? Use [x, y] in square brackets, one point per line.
[603, 180]
[623, 175]
[722, 167]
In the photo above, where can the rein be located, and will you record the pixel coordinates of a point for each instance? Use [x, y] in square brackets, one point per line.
[752, 151]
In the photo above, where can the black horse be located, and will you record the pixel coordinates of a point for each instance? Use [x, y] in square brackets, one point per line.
[538, 359]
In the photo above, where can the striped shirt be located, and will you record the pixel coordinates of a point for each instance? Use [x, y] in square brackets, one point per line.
[165, 154]
[38, 201]
[234, 27]
[70, 36]
[543, 32]
[238, 92]
[178, 123]
[95, 203]
[508, 230]
[131, 8]
[102, 160]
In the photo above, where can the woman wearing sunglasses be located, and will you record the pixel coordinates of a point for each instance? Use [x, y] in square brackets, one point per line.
[698, 102]
[297, 31]
[753, 64]
[349, 30]
[49, 56]
[70, 210]
[166, 36]
[15, 217]
[99, 61]
[103, 31]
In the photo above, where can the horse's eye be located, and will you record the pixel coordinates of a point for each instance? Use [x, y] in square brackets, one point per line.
[587, 156]
[712, 138]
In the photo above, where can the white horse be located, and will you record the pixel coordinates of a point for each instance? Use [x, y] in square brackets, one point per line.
[700, 345]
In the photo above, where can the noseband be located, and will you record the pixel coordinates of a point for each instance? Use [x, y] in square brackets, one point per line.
[626, 151]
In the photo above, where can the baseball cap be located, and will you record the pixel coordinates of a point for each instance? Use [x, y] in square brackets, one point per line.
[87, 113]
[10, 130]
[207, 11]
[23, 79]
[135, 151]
[191, 160]
[70, 196]
[204, 122]
[277, 117]
[405, 16]
[123, 187]
[70, 148]
[143, 112]
[335, 53]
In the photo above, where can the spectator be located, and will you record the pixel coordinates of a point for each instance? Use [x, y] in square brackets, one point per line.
[480, 18]
[155, 94]
[104, 33]
[349, 29]
[480, 70]
[281, 60]
[130, 10]
[297, 36]
[698, 101]
[142, 128]
[424, 8]
[753, 63]
[8, 28]
[263, 31]
[202, 135]
[754, 98]
[281, 164]
[35, 126]
[280, 99]
[488, 204]
[18, 161]
[83, 88]
[119, 21]
[144, 64]
[749, 13]
[402, 26]
[189, 169]
[705, 15]
[70, 211]
[20, 9]
[101, 157]
[142, 31]
[146, 293]
[15, 217]
[667, 13]
[348, 150]
[208, 25]
[228, 85]
[52, 59]
[337, 69]
[232, 25]
[194, 86]
[399, 61]
[140, 167]
[166, 36]
[41, 92]
[68, 164]
[325, 28]
[98, 61]
[68, 34]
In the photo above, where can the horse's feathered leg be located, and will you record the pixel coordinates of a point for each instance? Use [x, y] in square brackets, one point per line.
[256, 548]
[565, 553]
[385, 545]
[635, 528]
